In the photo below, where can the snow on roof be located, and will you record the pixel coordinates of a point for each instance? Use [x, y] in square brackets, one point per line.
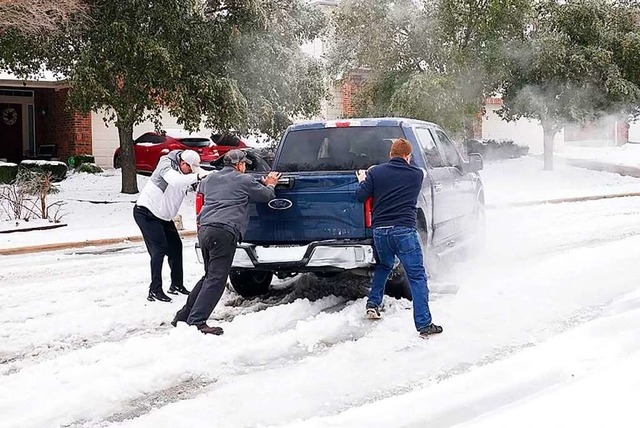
[41, 76]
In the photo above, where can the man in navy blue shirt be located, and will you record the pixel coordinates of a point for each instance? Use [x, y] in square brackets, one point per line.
[395, 187]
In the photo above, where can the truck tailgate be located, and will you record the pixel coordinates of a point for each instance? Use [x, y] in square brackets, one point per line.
[310, 207]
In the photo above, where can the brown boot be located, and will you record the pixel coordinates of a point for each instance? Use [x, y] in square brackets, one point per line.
[205, 329]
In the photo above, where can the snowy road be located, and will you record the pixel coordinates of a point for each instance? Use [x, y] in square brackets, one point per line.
[80, 345]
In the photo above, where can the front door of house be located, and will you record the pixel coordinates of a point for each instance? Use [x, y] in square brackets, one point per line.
[11, 132]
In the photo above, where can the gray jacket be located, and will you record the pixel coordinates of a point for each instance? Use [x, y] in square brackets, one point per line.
[227, 195]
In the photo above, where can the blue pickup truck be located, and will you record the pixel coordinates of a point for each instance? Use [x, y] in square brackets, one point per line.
[316, 225]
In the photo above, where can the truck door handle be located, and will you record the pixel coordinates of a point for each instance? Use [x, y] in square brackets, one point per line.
[438, 187]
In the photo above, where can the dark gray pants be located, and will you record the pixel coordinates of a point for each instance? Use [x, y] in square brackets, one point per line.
[162, 239]
[218, 248]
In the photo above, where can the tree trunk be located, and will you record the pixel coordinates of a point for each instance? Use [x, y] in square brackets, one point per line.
[127, 159]
[549, 134]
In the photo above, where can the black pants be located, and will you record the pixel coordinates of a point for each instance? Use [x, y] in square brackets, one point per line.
[162, 239]
[218, 248]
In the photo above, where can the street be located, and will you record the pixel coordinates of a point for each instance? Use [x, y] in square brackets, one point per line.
[79, 338]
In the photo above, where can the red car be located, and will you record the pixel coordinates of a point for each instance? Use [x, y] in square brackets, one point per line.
[150, 146]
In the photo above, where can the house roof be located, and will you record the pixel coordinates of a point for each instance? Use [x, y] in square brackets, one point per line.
[44, 79]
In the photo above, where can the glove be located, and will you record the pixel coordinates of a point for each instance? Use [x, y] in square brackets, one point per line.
[203, 174]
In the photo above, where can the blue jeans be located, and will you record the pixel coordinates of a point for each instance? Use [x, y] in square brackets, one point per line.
[404, 243]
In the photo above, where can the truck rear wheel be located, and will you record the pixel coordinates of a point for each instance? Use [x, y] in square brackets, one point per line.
[250, 283]
[397, 285]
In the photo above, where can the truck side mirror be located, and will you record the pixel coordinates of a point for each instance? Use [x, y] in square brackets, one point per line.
[475, 163]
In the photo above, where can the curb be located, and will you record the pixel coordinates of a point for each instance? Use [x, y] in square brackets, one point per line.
[80, 244]
[563, 200]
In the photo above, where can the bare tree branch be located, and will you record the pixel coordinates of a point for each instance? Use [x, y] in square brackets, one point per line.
[37, 16]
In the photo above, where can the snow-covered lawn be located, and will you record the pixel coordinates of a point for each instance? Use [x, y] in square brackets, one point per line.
[523, 180]
[625, 155]
[95, 209]
[541, 329]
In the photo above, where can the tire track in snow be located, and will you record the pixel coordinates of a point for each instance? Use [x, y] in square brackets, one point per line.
[176, 392]
[232, 306]
[233, 361]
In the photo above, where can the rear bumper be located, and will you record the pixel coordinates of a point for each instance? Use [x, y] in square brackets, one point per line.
[322, 256]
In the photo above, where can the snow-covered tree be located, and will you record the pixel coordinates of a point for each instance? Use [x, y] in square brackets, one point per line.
[429, 59]
[579, 61]
[237, 64]
[37, 16]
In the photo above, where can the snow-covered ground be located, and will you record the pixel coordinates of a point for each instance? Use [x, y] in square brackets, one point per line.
[523, 180]
[541, 329]
[625, 155]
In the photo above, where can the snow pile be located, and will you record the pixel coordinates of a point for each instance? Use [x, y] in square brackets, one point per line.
[42, 162]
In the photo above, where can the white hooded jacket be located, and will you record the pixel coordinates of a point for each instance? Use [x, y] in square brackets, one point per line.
[164, 192]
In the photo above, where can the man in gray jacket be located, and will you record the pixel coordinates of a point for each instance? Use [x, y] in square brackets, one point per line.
[223, 221]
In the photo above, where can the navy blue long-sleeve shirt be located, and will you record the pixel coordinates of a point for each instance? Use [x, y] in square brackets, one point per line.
[395, 187]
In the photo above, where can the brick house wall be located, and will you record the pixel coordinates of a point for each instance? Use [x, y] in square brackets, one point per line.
[68, 130]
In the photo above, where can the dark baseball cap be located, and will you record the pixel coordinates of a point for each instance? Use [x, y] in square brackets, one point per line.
[236, 156]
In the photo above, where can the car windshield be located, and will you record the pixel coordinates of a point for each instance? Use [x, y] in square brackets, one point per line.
[337, 149]
[195, 142]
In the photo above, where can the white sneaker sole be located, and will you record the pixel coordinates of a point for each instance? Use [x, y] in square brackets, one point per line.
[373, 315]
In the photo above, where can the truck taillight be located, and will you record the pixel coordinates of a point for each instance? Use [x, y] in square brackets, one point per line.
[199, 202]
[368, 209]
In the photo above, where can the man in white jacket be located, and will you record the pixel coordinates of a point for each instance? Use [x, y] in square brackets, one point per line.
[154, 211]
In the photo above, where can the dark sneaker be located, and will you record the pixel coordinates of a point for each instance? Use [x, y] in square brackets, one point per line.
[430, 329]
[158, 295]
[179, 317]
[175, 289]
[373, 312]
[205, 329]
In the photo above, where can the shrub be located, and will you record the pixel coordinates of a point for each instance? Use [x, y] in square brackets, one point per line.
[77, 160]
[57, 169]
[89, 168]
[39, 184]
[8, 172]
[496, 149]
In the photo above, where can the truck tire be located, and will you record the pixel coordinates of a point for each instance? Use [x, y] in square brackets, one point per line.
[397, 285]
[117, 162]
[250, 283]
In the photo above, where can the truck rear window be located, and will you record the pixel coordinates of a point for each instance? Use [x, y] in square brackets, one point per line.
[337, 149]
